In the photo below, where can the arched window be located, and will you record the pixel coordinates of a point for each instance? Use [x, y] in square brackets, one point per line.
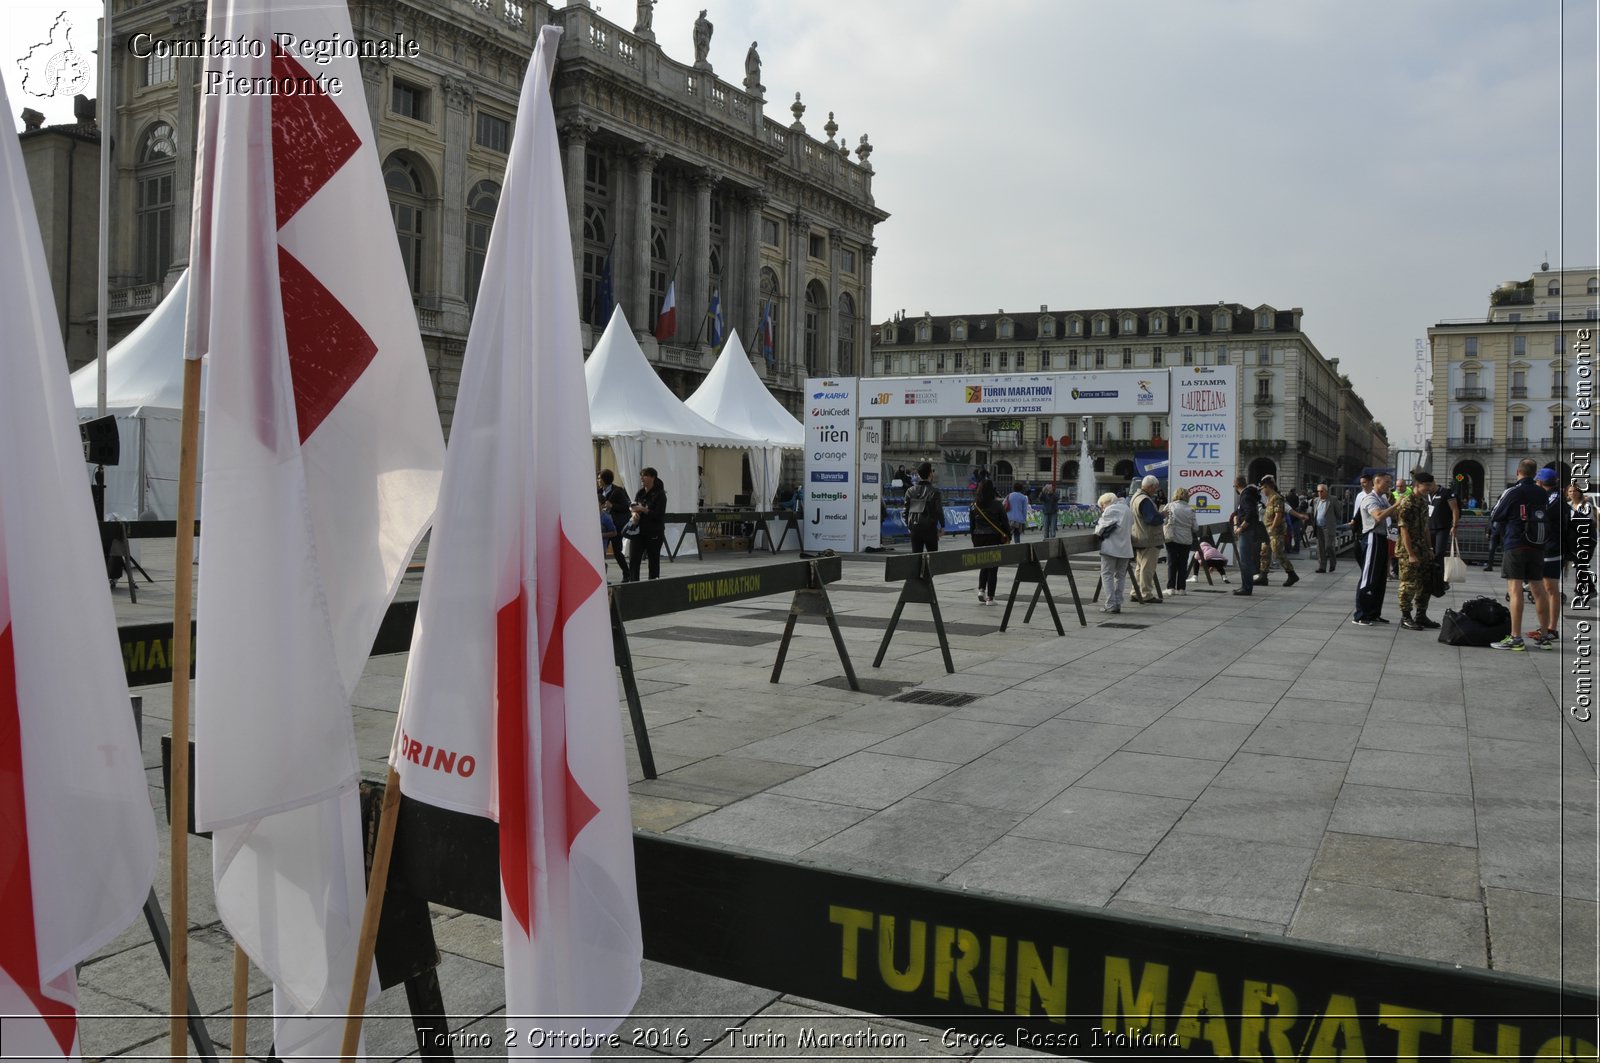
[660, 261]
[772, 306]
[816, 333]
[156, 174]
[405, 186]
[481, 204]
[847, 336]
[596, 237]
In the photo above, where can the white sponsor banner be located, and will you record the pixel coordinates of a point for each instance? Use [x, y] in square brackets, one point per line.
[1205, 438]
[832, 466]
[870, 497]
[1016, 395]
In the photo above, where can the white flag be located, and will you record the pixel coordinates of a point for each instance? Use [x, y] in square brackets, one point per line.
[322, 461]
[510, 708]
[77, 834]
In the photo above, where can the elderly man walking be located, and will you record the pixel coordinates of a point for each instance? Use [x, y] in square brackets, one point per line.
[1324, 521]
[1149, 533]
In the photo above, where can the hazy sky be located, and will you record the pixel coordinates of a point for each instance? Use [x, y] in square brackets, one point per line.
[1382, 164]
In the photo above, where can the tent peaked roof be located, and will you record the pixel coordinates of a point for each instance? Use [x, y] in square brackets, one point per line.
[627, 398]
[146, 368]
[733, 397]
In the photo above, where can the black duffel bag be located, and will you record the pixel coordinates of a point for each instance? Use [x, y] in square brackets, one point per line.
[1479, 622]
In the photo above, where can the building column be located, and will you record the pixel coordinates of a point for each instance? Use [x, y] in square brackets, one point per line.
[372, 84]
[755, 202]
[638, 283]
[699, 271]
[864, 318]
[577, 135]
[458, 97]
[799, 250]
[190, 24]
[835, 250]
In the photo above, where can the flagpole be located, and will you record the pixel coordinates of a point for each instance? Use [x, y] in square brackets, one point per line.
[704, 317]
[103, 112]
[372, 914]
[241, 1001]
[182, 601]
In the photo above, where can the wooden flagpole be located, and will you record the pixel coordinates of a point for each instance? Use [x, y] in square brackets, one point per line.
[182, 601]
[241, 1002]
[377, 885]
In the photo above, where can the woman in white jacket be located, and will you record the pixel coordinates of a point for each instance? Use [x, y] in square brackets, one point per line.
[1114, 529]
[1180, 540]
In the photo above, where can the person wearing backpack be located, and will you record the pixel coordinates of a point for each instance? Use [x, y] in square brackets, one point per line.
[1557, 543]
[924, 511]
[990, 527]
[1522, 514]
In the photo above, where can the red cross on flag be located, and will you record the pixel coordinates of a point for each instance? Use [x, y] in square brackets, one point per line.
[77, 835]
[322, 462]
[510, 708]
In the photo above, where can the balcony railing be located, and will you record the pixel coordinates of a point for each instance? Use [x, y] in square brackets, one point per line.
[137, 299]
[1517, 443]
[1471, 443]
[1264, 400]
[1465, 394]
[1518, 392]
[1549, 442]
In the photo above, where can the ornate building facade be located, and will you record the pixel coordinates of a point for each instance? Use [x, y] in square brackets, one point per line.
[673, 176]
[1504, 386]
[1303, 423]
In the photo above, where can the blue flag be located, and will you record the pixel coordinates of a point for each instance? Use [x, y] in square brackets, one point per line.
[603, 297]
[715, 313]
[764, 333]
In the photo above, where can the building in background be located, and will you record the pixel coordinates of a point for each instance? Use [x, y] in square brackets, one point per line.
[1503, 386]
[1301, 422]
[674, 176]
[63, 164]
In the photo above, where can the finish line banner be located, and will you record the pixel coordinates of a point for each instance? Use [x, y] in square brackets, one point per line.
[1016, 394]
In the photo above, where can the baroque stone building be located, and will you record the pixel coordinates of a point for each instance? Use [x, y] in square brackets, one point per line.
[1504, 386]
[1303, 421]
[672, 174]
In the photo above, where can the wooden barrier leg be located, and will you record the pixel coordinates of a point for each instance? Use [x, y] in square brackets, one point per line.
[1077, 600]
[1011, 600]
[938, 626]
[428, 1019]
[1050, 601]
[894, 619]
[630, 687]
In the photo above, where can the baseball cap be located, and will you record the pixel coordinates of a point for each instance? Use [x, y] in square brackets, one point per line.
[1547, 475]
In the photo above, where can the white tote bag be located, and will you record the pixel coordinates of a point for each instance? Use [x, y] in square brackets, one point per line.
[1455, 567]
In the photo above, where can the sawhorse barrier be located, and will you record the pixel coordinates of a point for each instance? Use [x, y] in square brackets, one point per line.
[981, 971]
[758, 520]
[1035, 561]
[808, 581]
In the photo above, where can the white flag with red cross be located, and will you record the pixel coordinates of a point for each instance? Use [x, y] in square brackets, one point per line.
[77, 834]
[323, 454]
[510, 708]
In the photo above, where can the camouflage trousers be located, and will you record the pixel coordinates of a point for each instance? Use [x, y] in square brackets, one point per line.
[1272, 547]
[1414, 584]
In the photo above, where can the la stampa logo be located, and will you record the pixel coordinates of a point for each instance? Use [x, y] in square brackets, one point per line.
[53, 67]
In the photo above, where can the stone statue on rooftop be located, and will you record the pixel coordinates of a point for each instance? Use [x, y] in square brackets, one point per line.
[646, 15]
[702, 39]
[752, 71]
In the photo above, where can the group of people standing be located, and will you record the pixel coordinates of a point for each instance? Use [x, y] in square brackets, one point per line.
[641, 522]
[1132, 533]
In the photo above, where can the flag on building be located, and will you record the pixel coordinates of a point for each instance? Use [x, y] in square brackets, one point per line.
[506, 712]
[764, 333]
[323, 455]
[667, 323]
[604, 297]
[77, 834]
[714, 316]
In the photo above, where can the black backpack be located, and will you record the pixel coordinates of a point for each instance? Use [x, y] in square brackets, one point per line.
[1535, 524]
[921, 516]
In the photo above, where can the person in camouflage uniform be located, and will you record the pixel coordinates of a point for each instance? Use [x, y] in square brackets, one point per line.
[1277, 529]
[1415, 553]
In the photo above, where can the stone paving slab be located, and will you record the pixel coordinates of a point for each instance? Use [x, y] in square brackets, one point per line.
[1257, 764]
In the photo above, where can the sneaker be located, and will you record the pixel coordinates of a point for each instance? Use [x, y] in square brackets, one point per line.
[1545, 642]
[1535, 635]
[1113, 608]
[1510, 642]
[1358, 622]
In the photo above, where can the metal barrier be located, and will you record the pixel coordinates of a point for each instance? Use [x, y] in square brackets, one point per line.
[755, 523]
[1035, 562]
[979, 971]
[808, 581]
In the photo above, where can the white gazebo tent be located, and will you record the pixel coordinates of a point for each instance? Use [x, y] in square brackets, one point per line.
[733, 397]
[144, 391]
[640, 422]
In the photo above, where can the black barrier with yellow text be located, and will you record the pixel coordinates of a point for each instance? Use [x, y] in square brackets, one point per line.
[979, 971]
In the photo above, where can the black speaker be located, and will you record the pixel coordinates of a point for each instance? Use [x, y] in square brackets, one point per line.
[101, 444]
